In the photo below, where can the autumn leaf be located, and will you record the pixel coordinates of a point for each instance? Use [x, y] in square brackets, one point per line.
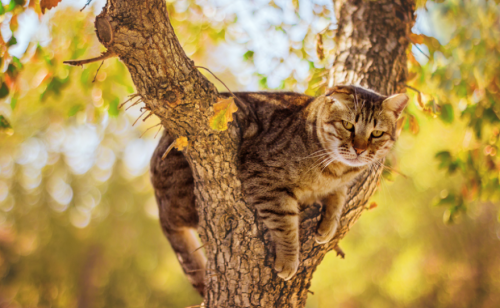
[223, 113]
[372, 205]
[416, 38]
[414, 127]
[48, 4]
[420, 100]
[181, 143]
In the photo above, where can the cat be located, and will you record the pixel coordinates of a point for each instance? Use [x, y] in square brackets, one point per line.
[299, 150]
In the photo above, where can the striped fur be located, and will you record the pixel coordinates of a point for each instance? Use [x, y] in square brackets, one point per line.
[302, 153]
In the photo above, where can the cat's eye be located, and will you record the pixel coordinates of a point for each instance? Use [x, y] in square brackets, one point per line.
[377, 133]
[348, 125]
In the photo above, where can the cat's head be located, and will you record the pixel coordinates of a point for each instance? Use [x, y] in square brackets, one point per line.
[359, 126]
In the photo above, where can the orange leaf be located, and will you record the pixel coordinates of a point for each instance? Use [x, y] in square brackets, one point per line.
[48, 4]
[416, 38]
[181, 143]
[372, 205]
[414, 127]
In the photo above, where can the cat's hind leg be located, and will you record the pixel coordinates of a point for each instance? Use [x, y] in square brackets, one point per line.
[174, 190]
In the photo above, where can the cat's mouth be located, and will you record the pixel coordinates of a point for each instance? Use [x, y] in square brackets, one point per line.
[355, 162]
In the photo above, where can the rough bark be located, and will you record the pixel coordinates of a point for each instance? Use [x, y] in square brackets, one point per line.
[371, 50]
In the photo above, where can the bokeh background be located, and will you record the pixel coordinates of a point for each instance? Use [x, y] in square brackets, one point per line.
[78, 220]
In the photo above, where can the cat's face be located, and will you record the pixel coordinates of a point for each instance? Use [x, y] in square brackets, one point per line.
[358, 126]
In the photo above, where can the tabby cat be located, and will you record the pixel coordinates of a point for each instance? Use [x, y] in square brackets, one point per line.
[300, 150]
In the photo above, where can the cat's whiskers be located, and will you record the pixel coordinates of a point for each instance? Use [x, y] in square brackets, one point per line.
[316, 153]
[320, 161]
[328, 163]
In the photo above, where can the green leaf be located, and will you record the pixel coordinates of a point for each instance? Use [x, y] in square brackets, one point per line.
[445, 159]
[450, 199]
[11, 5]
[4, 90]
[54, 87]
[263, 82]
[447, 113]
[12, 41]
[2, 10]
[17, 62]
[5, 125]
[74, 110]
[248, 55]
[13, 102]
[113, 107]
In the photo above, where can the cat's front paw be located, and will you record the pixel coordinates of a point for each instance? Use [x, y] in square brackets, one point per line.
[286, 266]
[326, 231]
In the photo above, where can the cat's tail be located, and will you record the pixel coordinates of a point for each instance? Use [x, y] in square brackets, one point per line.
[186, 245]
[174, 190]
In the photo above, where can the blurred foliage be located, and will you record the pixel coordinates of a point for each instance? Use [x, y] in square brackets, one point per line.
[78, 220]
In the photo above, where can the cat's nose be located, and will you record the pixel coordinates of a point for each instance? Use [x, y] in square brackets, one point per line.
[359, 150]
[360, 145]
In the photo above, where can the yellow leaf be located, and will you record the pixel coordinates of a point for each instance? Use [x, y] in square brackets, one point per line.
[181, 143]
[223, 113]
[48, 4]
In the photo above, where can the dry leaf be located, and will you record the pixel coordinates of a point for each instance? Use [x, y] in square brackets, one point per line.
[416, 38]
[420, 100]
[223, 113]
[181, 143]
[319, 47]
[414, 127]
[48, 4]
[411, 76]
[372, 205]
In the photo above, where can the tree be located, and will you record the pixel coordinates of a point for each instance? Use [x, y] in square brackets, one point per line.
[372, 39]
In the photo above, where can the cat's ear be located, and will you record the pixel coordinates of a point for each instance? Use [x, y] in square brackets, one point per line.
[396, 103]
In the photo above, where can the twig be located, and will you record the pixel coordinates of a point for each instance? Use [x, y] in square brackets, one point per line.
[199, 248]
[197, 270]
[97, 71]
[137, 102]
[139, 117]
[412, 88]
[309, 291]
[128, 100]
[143, 120]
[86, 4]
[396, 171]
[149, 129]
[159, 129]
[339, 251]
[326, 28]
[170, 147]
[239, 103]
[104, 56]
[416, 46]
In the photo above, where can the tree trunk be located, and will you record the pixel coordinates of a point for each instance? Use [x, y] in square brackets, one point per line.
[371, 51]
